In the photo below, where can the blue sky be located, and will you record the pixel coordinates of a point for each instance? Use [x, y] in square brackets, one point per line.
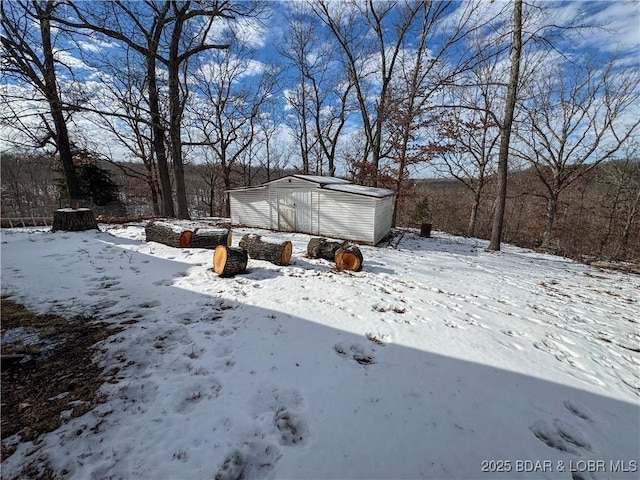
[618, 32]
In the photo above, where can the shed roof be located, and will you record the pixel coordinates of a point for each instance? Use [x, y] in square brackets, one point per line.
[360, 190]
[330, 183]
[321, 180]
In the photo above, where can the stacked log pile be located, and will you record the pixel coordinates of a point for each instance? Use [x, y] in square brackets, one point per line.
[346, 255]
[261, 248]
[186, 235]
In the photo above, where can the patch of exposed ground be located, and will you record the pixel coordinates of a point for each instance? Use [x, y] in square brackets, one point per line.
[48, 373]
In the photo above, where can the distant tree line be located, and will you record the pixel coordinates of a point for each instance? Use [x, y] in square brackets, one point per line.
[378, 91]
[597, 218]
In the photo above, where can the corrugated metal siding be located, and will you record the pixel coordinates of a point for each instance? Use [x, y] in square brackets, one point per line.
[346, 216]
[250, 207]
[383, 218]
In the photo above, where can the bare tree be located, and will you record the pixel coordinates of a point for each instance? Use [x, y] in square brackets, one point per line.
[367, 62]
[321, 96]
[470, 157]
[274, 156]
[622, 202]
[578, 116]
[140, 26]
[505, 127]
[29, 45]
[426, 65]
[117, 103]
[230, 96]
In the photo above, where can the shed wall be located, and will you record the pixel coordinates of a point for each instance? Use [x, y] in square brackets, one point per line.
[383, 218]
[318, 211]
[250, 207]
[346, 216]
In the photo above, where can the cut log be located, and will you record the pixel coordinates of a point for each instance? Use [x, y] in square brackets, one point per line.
[262, 248]
[323, 248]
[73, 220]
[210, 238]
[349, 257]
[180, 236]
[227, 261]
[167, 234]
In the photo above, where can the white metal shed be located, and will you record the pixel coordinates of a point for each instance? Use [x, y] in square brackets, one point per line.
[325, 206]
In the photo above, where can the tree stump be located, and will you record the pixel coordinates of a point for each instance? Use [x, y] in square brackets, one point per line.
[74, 220]
[179, 236]
[323, 248]
[425, 230]
[349, 257]
[228, 261]
[272, 251]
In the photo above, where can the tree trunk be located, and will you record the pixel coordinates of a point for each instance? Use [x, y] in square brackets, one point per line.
[228, 261]
[505, 130]
[471, 229]
[278, 253]
[629, 223]
[552, 213]
[176, 109]
[153, 187]
[62, 133]
[74, 220]
[158, 134]
[186, 236]
[323, 248]
[349, 257]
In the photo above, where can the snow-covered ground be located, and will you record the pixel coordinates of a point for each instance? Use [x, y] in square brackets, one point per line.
[438, 360]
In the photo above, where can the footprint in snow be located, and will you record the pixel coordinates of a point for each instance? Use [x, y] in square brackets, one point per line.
[278, 411]
[253, 460]
[93, 293]
[378, 338]
[578, 410]
[292, 427]
[512, 333]
[452, 324]
[561, 435]
[360, 353]
[151, 304]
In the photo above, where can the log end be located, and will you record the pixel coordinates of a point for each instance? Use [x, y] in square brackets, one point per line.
[219, 259]
[228, 261]
[349, 258]
[286, 253]
[185, 238]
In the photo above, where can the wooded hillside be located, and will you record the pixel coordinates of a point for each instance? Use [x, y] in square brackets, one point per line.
[599, 216]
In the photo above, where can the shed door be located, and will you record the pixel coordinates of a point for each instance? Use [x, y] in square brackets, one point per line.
[303, 210]
[294, 210]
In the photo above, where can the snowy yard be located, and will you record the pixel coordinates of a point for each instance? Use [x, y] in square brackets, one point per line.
[438, 360]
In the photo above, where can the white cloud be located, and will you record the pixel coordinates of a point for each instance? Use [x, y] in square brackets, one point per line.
[250, 32]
